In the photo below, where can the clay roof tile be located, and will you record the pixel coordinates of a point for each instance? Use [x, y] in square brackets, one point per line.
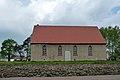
[45, 34]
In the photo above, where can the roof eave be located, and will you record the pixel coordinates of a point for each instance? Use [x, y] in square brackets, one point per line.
[74, 43]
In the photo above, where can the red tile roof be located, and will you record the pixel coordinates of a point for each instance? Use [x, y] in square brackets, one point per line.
[67, 35]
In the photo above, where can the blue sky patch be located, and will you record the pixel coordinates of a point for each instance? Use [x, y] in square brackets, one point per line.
[115, 9]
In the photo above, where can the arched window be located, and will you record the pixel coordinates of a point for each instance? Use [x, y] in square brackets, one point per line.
[59, 50]
[44, 50]
[75, 50]
[90, 50]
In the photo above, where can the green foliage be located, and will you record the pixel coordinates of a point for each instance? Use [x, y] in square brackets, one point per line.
[26, 46]
[112, 37]
[18, 49]
[8, 48]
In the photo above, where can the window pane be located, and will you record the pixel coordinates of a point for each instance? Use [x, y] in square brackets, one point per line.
[75, 51]
[60, 51]
[90, 51]
[44, 50]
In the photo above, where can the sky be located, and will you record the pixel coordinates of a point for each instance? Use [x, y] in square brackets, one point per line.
[18, 17]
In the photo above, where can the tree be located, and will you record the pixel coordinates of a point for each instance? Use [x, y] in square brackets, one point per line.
[26, 46]
[19, 49]
[112, 37]
[8, 48]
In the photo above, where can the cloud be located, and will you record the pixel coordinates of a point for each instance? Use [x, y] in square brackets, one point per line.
[16, 21]
[78, 12]
[17, 17]
[113, 20]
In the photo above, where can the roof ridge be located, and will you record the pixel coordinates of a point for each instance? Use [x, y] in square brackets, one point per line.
[63, 26]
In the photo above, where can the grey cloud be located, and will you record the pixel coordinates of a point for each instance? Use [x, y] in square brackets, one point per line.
[79, 12]
[16, 21]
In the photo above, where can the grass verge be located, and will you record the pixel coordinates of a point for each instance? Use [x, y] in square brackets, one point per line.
[59, 62]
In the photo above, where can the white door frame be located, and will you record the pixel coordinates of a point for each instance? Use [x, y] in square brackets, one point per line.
[67, 56]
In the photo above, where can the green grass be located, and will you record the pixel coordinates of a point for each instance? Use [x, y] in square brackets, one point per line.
[59, 62]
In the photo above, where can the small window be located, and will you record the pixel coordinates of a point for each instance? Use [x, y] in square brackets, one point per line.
[44, 50]
[75, 50]
[90, 50]
[60, 50]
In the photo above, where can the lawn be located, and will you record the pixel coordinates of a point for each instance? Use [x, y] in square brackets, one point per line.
[59, 62]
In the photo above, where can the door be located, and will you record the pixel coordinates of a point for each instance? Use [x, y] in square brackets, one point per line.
[67, 56]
